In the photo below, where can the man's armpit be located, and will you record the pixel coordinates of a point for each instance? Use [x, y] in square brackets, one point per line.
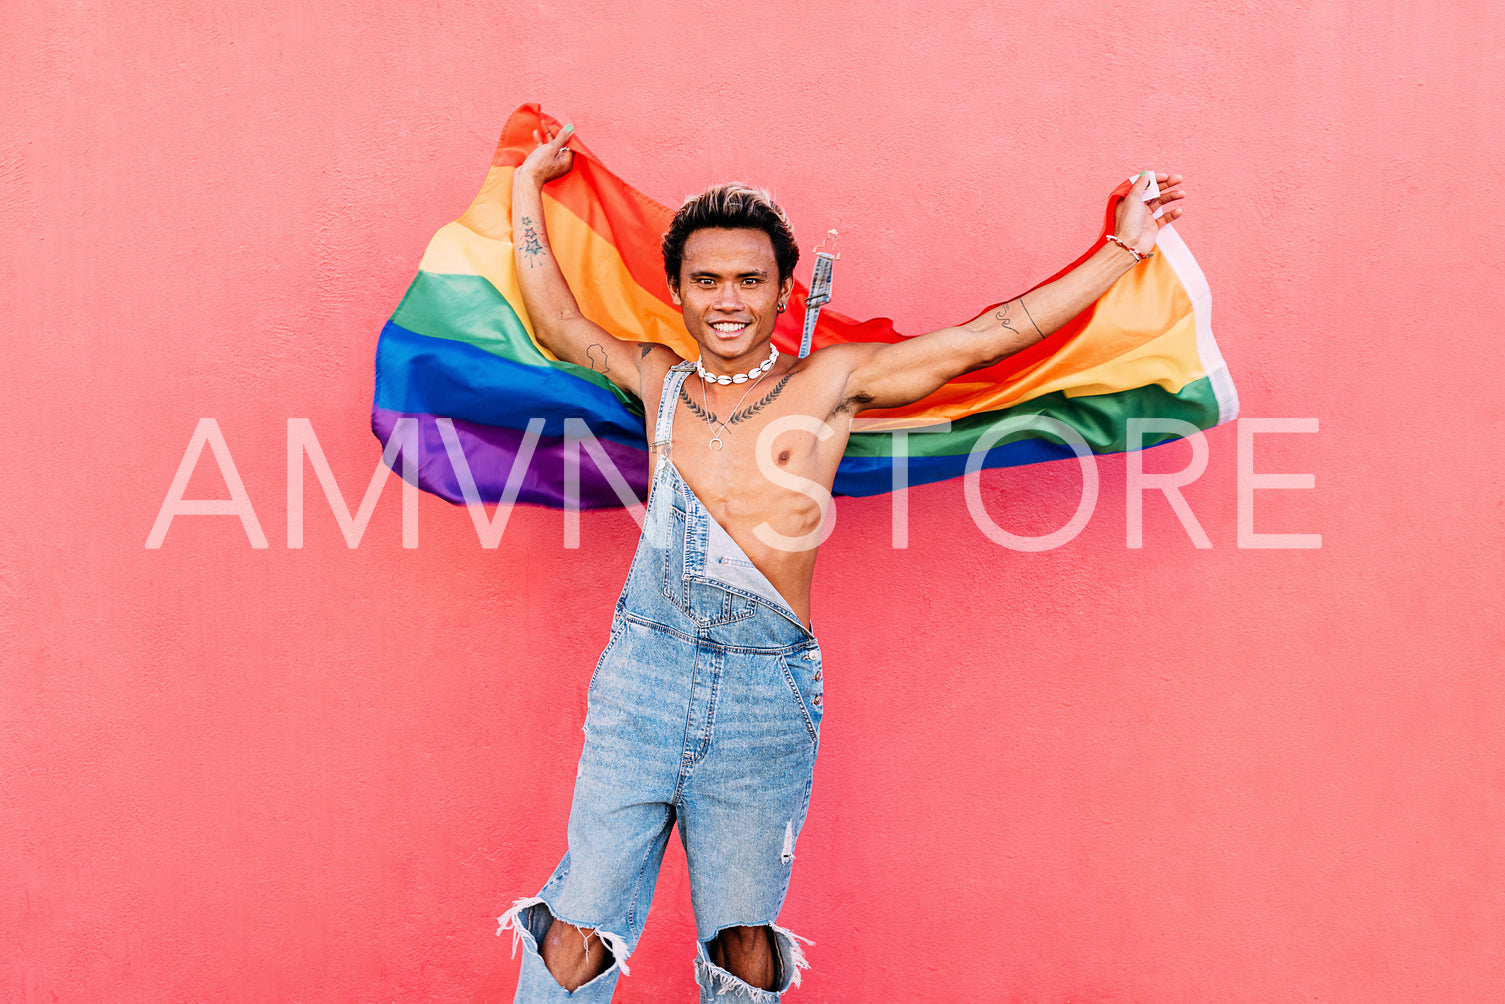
[852, 403]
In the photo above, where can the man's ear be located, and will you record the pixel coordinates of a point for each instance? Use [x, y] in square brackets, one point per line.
[674, 293]
[786, 290]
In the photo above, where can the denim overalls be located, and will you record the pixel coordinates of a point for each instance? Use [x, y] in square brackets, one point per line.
[704, 708]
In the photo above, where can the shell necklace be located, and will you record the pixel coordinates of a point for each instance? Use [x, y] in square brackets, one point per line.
[753, 374]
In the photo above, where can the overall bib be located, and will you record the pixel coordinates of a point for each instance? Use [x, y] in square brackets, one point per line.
[704, 709]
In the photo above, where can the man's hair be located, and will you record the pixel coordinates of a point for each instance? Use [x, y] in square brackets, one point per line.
[733, 206]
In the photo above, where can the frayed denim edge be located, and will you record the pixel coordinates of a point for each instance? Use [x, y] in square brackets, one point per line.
[724, 982]
[615, 943]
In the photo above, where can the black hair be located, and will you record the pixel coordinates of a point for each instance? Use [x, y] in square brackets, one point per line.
[732, 206]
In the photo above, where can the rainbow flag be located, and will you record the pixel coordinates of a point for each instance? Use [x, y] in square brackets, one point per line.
[485, 402]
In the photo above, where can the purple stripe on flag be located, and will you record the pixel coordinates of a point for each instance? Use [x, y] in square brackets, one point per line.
[490, 452]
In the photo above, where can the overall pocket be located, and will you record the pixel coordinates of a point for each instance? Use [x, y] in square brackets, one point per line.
[705, 604]
[802, 672]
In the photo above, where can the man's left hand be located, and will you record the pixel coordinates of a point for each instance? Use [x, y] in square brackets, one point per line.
[1135, 224]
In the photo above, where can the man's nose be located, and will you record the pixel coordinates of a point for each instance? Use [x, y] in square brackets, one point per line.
[729, 297]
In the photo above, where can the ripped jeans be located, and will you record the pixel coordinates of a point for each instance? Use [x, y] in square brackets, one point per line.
[704, 709]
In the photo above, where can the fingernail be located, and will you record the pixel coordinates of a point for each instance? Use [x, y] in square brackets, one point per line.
[568, 129]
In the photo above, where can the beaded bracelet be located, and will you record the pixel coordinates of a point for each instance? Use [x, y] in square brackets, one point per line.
[1139, 256]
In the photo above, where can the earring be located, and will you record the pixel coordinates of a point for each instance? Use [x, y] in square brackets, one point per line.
[782, 306]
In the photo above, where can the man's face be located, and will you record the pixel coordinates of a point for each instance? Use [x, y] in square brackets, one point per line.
[729, 292]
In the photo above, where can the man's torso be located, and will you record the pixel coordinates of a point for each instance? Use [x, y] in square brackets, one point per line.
[771, 507]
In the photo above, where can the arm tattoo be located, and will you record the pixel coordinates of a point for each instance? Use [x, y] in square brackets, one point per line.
[644, 351]
[591, 351]
[1003, 318]
[1031, 319]
[532, 244]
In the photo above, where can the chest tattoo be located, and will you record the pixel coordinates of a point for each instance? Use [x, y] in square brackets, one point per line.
[741, 414]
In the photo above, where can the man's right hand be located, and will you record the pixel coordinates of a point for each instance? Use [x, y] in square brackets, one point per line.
[552, 158]
[558, 323]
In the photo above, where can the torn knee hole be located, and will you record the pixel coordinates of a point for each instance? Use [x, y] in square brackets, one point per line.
[742, 938]
[561, 933]
[789, 959]
[533, 918]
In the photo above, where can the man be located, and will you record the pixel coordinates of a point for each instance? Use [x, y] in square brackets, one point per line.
[705, 706]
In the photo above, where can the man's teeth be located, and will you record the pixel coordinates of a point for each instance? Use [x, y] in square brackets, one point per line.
[729, 326]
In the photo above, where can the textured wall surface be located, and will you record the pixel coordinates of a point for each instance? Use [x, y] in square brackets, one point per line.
[1087, 774]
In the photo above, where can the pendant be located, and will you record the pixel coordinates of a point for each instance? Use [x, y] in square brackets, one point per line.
[716, 444]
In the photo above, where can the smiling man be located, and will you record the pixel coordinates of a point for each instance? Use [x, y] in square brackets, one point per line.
[706, 704]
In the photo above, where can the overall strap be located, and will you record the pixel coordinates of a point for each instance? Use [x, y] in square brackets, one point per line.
[656, 523]
[668, 398]
[820, 289]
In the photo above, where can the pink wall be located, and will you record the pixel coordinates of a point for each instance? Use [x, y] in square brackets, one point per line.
[1089, 774]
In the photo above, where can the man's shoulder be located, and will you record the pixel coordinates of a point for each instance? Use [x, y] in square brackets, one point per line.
[655, 360]
[835, 362]
[826, 375]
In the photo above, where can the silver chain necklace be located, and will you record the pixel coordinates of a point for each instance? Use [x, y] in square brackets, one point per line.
[717, 444]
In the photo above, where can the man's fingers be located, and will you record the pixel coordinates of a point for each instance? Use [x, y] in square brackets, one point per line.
[1164, 217]
[1166, 198]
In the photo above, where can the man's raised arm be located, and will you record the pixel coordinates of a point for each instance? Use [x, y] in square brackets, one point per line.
[890, 376]
[556, 316]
